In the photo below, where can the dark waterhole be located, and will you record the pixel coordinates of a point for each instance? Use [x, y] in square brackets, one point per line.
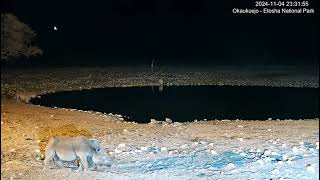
[187, 103]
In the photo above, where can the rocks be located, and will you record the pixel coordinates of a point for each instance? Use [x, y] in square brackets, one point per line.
[267, 152]
[284, 157]
[168, 120]
[122, 145]
[213, 152]
[144, 148]
[203, 142]
[153, 121]
[117, 151]
[229, 166]
[311, 168]
[12, 150]
[160, 82]
[295, 149]
[163, 149]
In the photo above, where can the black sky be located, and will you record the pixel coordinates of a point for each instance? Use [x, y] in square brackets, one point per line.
[176, 31]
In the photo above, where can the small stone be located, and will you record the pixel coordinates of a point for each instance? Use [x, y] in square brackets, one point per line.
[240, 139]
[267, 152]
[163, 149]
[284, 145]
[275, 171]
[122, 145]
[12, 150]
[203, 142]
[230, 166]
[213, 152]
[184, 146]
[240, 126]
[295, 149]
[210, 144]
[144, 148]
[280, 162]
[268, 129]
[269, 119]
[138, 151]
[51, 115]
[117, 151]
[37, 150]
[285, 157]
[153, 121]
[168, 120]
[124, 130]
[311, 168]
[258, 150]
[260, 162]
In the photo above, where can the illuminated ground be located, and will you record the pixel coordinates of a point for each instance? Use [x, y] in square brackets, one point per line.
[225, 149]
[215, 149]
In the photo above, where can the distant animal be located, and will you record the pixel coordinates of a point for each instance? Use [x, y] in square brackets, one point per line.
[87, 151]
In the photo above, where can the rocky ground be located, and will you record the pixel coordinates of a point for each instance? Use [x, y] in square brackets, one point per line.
[196, 150]
[28, 83]
[212, 149]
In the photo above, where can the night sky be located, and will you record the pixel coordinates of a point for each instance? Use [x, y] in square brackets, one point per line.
[177, 32]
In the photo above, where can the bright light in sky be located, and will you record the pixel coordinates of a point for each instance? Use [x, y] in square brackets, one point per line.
[55, 28]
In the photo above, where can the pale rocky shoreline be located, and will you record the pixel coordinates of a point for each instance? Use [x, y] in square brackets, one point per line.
[24, 84]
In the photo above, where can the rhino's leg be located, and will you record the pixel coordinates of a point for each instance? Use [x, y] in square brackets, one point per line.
[57, 161]
[49, 157]
[84, 162]
[92, 164]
